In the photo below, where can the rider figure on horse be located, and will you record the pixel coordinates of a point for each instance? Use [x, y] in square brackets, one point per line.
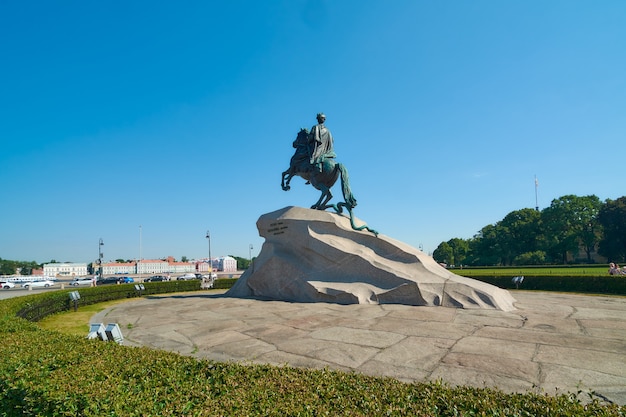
[320, 143]
[314, 161]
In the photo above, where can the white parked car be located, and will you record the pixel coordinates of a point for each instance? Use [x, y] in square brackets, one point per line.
[186, 277]
[82, 281]
[38, 284]
[6, 285]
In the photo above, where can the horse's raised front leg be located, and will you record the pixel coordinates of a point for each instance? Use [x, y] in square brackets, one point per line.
[285, 184]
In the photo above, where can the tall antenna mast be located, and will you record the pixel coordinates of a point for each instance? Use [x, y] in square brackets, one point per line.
[536, 200]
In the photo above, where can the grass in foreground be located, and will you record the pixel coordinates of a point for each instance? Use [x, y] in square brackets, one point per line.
[58, 375]
[49, 373]
[76, 322]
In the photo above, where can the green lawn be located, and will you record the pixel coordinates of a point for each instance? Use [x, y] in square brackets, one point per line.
[49, 368]
[76, 322]
[540, 271]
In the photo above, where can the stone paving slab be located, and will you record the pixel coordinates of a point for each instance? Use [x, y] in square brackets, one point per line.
[552, 343]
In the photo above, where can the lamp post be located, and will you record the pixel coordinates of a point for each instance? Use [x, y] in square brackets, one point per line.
[100, 256]
[208, 236]
[139, 262]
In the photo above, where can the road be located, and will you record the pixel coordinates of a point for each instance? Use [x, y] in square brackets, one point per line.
[19, 291]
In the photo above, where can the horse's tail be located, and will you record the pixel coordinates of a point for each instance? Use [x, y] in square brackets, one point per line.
[345, 187]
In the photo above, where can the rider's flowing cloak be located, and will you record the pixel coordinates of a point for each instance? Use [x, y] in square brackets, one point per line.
[322, 143]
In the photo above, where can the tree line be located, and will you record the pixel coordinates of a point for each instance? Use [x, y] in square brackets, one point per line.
[571, 229]
[9, 267]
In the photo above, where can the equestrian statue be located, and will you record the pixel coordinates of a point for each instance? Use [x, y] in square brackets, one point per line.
[314, 160]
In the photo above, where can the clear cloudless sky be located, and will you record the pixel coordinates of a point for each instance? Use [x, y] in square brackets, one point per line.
[148, 123]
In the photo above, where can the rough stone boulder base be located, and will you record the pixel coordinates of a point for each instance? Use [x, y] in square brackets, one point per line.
[316, 256]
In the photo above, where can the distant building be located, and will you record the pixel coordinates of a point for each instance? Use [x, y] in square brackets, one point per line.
[65, 269]
[147, 267]
[182, 267]
[203, 266]
[227, 264]
[223, 263]
[153, 266]
[118, 268]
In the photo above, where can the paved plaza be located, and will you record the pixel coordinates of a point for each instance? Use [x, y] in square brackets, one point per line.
[553, 342]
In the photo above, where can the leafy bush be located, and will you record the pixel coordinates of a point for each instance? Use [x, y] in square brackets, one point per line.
[46, 373]
[224, 283]
[57, 301]
[588, 285]
[537, 257]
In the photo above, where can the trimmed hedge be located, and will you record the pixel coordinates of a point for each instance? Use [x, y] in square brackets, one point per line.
[46, 373]
[57, 301]
[224, 283]
[588, 285]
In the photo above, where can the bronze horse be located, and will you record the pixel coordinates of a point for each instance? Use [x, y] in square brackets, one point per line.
[322, 180]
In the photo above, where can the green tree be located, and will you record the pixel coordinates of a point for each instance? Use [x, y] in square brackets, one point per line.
[460, 249]
[184, 259]
[525, 236]
[568, 224]
[242, 263]
[612, 218]
[537, 257]
[7, 267]
[444, 253]
[519, 232]
[486, 246]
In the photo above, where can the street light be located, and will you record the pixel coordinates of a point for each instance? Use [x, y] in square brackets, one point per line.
[208, 236]
[139, 270]
[100, 256]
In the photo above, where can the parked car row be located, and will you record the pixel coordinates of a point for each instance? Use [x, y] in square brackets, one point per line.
[6, 285]
[108, 280]
[190, 276]
[114, 280]
[157, 278]
[38, 284]
[42, 283]
[81, 281]
[89, 281]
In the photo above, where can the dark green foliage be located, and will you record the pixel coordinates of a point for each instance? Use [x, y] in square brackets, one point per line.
[242, 263]
[45, 373]
[589, 285]
[8, 267]
[224, 283]
[571, 228]
[58, 301]
[612, 217]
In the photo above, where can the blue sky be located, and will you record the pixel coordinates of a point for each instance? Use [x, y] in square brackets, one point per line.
[147, 124]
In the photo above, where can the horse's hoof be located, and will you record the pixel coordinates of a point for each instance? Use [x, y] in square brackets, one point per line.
[286, 188]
